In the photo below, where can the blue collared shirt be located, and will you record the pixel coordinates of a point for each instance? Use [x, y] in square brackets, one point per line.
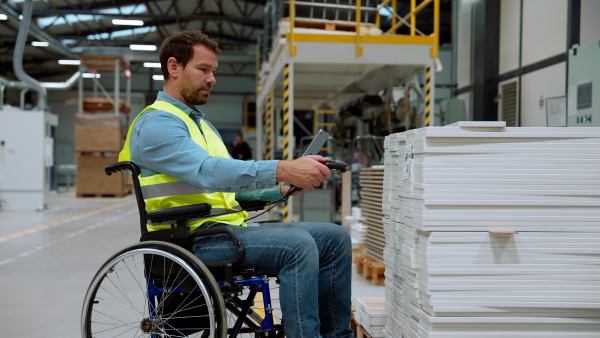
[160, 143]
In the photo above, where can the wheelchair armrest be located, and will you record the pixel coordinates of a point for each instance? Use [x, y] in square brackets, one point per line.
[241, 251]
[253, 205]
[177, 213]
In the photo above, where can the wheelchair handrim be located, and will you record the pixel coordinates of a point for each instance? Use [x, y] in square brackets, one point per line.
[86, 313]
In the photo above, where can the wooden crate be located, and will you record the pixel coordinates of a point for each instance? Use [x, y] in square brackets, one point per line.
[103, 105]
[92, 181]
[99, 132]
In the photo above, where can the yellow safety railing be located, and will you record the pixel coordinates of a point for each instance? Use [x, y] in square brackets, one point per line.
[318, 123]
[390, 35]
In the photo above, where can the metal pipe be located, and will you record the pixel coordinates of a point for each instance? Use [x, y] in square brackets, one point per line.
[116, 87]
[128, 88]
[358, 48]
[62, 85]
[292, 15]
[22, 100]
[18, 56]
[413, 19]
[49, 85]
[36, 32]
[436, 28]
[80, 92]
[2, 87]
[13, 84]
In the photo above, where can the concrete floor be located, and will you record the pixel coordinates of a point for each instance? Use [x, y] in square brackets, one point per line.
[48, 258]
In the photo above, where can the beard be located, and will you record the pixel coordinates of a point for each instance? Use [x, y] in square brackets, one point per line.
[192, 96]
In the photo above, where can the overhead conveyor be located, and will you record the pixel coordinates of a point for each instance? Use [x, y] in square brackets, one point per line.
[323, 61]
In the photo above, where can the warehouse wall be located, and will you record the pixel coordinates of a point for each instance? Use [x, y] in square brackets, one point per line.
[535, 88]
[590, 25]
[510, 23]
[532, 49]
[544, 29]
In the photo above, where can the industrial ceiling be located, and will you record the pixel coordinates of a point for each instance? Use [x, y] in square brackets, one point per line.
[85, 27]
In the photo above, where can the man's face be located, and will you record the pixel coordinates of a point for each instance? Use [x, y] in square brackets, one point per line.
[198, 76]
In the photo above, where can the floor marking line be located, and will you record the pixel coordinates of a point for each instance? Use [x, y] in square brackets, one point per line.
[70, 235]
[70, 218]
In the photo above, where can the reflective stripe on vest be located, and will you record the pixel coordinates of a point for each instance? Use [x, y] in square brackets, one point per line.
[162, 192]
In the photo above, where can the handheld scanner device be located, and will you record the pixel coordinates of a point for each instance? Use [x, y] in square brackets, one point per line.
[317, 143]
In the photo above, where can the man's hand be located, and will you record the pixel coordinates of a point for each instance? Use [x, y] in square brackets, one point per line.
[283, 189]
[305, 172]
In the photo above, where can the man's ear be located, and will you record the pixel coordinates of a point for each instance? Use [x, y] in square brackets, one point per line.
[173, 67]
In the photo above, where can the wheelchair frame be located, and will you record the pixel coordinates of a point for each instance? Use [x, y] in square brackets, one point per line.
[174, 245]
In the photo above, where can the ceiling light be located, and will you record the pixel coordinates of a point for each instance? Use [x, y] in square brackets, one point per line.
[3, 17]
[143, 47]
[158, 77]
[69, 62]
[152, 64]
[40, 43]
[127, 22]
[90, 75]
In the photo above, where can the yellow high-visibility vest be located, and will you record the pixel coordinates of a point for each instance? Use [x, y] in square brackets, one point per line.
[162, 191]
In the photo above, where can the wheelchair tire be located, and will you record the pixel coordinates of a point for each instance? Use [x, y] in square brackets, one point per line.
[186, 299]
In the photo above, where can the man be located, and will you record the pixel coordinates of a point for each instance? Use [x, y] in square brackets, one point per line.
[241, 149]
[184, 161]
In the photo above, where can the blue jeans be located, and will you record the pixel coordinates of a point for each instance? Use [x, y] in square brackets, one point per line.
[306, 256]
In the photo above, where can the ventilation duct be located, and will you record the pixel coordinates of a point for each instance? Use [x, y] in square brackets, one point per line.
[18, 56]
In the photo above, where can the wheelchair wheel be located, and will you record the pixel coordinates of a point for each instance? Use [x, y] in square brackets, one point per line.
[153, 289]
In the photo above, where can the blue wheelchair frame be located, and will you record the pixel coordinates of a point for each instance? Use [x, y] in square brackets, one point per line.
[256, 284]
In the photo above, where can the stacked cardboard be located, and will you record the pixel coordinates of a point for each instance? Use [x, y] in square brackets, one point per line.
[98, 140]
[492, 231]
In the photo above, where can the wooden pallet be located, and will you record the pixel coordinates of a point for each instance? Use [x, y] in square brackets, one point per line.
[356, 251]
[362, 333]
[103, 194]
[370, 269]
[98, 153]
[324, 25]
[358, 329]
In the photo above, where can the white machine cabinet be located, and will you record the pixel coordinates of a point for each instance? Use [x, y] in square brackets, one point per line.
[26, 156]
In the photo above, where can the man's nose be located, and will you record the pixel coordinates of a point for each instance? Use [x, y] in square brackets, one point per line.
[211, 79]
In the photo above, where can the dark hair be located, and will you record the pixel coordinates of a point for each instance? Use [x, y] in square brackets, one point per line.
[181, 46]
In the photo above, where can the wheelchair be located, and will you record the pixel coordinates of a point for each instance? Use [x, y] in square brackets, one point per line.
[158, 288]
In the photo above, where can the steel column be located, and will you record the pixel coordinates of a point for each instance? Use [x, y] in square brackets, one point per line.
[288, 126]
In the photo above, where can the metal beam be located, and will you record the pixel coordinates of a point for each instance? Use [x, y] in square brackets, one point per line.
[36, 32]
[166, 17]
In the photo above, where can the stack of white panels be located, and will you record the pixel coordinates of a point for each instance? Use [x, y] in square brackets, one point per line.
[371, 191]
[492, 231]
[370, 314]
[354, 224]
